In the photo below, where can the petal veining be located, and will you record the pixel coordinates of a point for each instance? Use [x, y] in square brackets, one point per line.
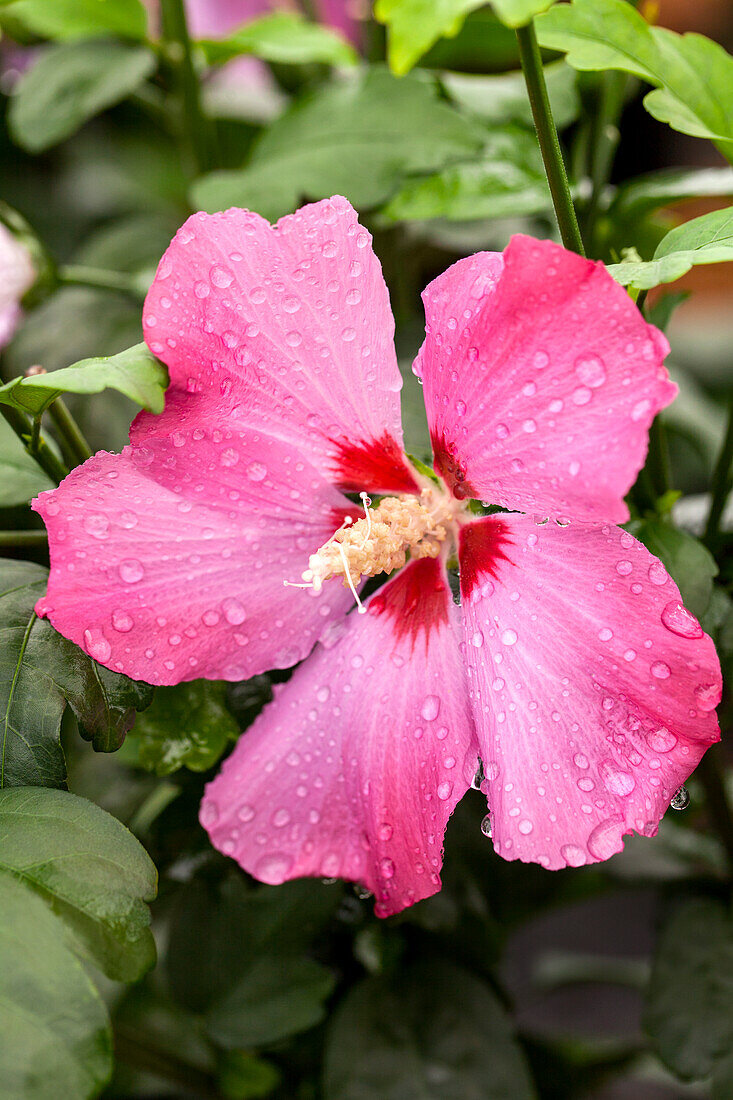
[541, 379]
[295, 320]
[168, 561]
[593, 689]
[355, 768]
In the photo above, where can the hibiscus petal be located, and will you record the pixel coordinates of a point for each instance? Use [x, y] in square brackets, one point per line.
[593, 688]
[541, 380]
[168, 561]
[355, 768]
[295, 320]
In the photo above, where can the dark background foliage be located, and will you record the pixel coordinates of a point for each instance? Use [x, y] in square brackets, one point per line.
[611, 982]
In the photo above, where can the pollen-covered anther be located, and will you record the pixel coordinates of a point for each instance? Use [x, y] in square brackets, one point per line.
[381, 541]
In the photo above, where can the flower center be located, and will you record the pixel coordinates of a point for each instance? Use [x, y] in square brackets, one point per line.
[382, 539]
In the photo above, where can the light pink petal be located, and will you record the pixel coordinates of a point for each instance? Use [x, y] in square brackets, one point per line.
[541, 380]
[354, 769]
[168, 561]
[17, 275]
[344, 16]
[593, 689]
[296, 320]
[218, 18]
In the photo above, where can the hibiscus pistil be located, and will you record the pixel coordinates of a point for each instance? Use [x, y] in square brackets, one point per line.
[381, 541]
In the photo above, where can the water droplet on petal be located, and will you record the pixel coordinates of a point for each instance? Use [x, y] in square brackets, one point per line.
[430, 708]
[386, 868]
[256, 471]
[661, 740]
[678, 619]
[623, 568]
[657, 573]
[221, 276]
[680, 799]
[486, 825]
[273, 869]
[509, 637]
[445, 790]
[131, 571]
[604, 840]
[97, 645]
[660, 670]
[573, 855]
[234, 612]
[122, 622]
[708, 696]
[591, 371]
[209, 814]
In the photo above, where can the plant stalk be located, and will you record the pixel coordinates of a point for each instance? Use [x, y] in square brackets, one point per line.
[557, 177]
[196, 127]
[97, 279]
[604, 141]
[709, 774]
[13, 539]
[37, 448]
[722, 481]
[71, 435]
[136, 1050]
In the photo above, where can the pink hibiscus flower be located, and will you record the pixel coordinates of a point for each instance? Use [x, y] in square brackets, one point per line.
[571, 668]
[17, 275]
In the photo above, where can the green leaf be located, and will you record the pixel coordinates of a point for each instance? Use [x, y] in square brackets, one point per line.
[517, 13]
[69, 19]
[88, 868]
[256, 944]
[244, 1076]
[508, 181]
[134, 372]
[689, 1009]
[107, 708]
[437, 1032]
[414, 25]
[693, 75]
[643, 194]
[502, 97]
[277, 997]
[20, 476]
[56, 1040]
[69, 84]
[187, 726]
[704, 240]
[40, 672]
[285, 38]
[689, 563]
[356, 137]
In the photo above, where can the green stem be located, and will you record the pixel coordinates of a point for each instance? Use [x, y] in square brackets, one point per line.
[70, 433]
[23, 538]
[38, 449]
[722, 482]
[78, 275]
[658, 458]
[708, 772]
[557, 177]
[603, 144]
[136, 1050]
[196, 129]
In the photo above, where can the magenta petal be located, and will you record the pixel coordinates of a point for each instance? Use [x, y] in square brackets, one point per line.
[541, 380]
[295, 321]
[593, 689]
[354, 769]
[168, 561]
